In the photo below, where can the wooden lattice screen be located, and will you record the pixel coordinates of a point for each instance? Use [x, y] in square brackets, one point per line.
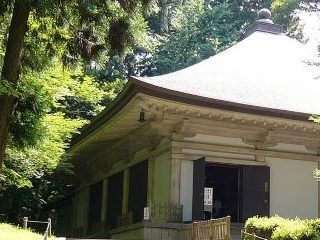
[214, 229]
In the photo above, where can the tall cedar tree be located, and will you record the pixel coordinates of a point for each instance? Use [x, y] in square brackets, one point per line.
[118, 38]
[11, 66]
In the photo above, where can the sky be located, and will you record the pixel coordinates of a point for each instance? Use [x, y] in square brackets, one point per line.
[311, 22]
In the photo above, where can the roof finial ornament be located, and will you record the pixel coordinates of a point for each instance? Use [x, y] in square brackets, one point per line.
[264, 24]
[264, 15]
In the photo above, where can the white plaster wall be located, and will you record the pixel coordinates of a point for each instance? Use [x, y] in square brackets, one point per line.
[186, 189]
[293, 189]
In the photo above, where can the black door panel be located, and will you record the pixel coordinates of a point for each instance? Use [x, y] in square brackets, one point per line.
[255, 186]
[198, 189]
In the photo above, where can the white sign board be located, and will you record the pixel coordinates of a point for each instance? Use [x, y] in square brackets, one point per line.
[208, 196]
[146, 213]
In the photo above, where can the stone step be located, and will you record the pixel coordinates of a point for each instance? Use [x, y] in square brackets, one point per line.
[235, 237]
[235, 230]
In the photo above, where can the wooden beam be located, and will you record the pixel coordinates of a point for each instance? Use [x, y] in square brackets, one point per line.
[234, 161]
[246, 151]
[224, 160]
[241, 131]
[208, 114]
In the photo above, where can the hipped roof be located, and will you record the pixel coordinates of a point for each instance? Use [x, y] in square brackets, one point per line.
[265, 70]
[266, 73]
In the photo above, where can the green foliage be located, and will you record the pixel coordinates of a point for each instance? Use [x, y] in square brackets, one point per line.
[30, 106]
[22, 165]
[278, 228]
[10, 232]
[73, 92]
[44, 41]
[112, 89]
[202, 28]
[263, 227]
[53, 100]
[245, 12]
[316, 174]
[294, 230]
[52, 90]
[285, 12]
[78, 29]
[100, 28]
[315, 118]
[283, 9]
[199, 32]
[42, 128]
[6, 88]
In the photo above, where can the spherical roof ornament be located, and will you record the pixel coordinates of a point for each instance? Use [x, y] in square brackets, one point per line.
[264, 15]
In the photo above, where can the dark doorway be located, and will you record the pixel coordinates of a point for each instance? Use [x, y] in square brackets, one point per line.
[114, 201]
[138, 187]
[238, 191]
[224, 180]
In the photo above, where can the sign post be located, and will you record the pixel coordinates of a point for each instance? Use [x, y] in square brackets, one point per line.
[208, 201]
[146, 213]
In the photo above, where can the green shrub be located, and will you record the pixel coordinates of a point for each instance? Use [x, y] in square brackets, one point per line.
[315, 224]
[263, 226]
[278, 228]
[294, 230]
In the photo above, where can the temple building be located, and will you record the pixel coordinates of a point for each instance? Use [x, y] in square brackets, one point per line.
[229, 136]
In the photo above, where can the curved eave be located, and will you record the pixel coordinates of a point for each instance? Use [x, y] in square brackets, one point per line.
[135, 85]
[187, 98]
[115, 106]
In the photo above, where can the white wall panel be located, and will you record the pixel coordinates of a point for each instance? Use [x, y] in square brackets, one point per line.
[186, 189]
[293, 189]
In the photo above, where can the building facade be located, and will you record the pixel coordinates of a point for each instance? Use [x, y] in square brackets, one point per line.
[236, 124]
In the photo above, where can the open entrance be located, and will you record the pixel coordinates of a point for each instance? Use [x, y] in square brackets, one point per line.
[138, 188]
[224, 182]
[221, 190]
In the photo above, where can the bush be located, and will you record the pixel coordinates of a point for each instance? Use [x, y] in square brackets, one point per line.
[263, 226]
[315, 224]
[294, 230]
[278, 228]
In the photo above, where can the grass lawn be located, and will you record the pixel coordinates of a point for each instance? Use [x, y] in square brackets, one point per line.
[9, 232]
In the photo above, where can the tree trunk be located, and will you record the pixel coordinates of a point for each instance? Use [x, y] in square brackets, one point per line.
[11, 66]
[164, 16]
